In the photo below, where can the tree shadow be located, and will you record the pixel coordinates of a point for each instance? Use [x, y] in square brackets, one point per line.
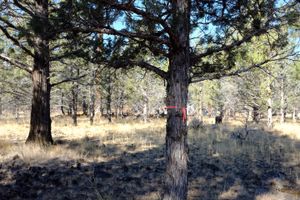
[220, 167]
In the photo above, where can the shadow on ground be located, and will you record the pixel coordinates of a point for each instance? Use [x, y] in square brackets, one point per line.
[220, 167]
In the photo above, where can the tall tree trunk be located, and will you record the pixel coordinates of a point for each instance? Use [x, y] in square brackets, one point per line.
[75, 91]
[176, 182]
[270, 113]
[16, 112]
[200, 101]
[108, 99]
[74, 103]
[92, 97]
[282, 101]
[40, 121]
[70, 108]
[255, 114]
[101, 108]
[145, 111]
[84, 106]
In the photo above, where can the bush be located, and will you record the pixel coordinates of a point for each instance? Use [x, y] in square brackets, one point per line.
[195, 123]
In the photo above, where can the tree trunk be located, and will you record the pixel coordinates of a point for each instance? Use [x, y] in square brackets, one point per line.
[70, 108]
[176, 180]
[255, 114]
[16, 112]
[200, 101]
[101, 108]
[294, 115]
[219, 118]
[84, 106]
[40, 121]
[62, 103]
[74, 103]
[108, 99]
[92, 98]
[176, 138]
[282, 101]
[74, 92]
[145, 111]
[270, 113]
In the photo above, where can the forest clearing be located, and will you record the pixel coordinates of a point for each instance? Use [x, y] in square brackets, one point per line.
[126, 161]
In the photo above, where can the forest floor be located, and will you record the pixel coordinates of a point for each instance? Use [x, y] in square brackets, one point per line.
[125, 160]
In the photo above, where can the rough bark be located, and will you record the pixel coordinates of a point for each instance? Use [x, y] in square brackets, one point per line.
[40, 121]
[176, 181]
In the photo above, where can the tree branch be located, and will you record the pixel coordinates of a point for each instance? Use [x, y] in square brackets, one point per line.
[17, 3]
[131, 8]
[124, 33]
[219, 75]
[68, 80]
[16, 63]
[231, 46]
[66, 54]
[141, 64]
[16, 42]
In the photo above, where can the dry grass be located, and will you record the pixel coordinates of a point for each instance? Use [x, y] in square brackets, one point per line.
[85, 139]
[210, 147]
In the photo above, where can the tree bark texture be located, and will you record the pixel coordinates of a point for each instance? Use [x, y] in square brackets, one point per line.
[40, 121]
[176, 181]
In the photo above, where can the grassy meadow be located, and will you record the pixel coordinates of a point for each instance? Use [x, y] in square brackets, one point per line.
[125, 160]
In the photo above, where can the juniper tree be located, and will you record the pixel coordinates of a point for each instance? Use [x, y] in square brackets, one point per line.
[33, 27]
[170, 30]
